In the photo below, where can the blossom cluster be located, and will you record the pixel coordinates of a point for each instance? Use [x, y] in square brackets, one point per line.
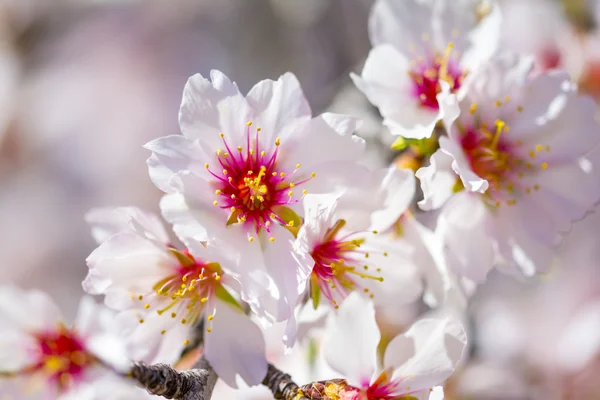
[274, 218]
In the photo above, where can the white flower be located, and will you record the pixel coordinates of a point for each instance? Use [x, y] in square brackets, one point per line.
[163, 293]
[45, 358]
[237, 173]
[341, 237]
[417, 45]
[519, 144]
[413, 362]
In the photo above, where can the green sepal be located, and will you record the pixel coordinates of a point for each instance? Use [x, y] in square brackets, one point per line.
[288, 215]
[222, 294]
[184, 260]
[315, 291]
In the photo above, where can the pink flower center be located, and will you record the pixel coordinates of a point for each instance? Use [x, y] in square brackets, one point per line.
[339, 263]
[186, 292]
[63, 357]
[251, 185]
[501, 160]
[427, 72]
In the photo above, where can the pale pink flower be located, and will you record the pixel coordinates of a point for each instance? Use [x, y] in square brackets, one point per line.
[522, 149]
[48, 359]
[237, 173]
[413, 363]
[416, 45]
[164, 293]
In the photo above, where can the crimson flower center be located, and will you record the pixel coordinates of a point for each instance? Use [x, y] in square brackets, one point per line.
[186, 292]
[252, 185]
[63, 357]
[339, 262]
[427, 72]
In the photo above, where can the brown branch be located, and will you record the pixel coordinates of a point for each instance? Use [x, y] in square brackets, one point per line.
[283, 387]
[162, 380]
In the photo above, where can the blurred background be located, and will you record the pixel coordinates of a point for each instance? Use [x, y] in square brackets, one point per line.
[85, 83]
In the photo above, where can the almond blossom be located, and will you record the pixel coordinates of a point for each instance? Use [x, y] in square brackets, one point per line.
[47, 359]
[164, 293]
[341, 235]
[416, 45]
[523, 152]
[237, 174]
[413, 363]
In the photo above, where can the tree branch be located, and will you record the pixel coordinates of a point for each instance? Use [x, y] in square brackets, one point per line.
[162, 380]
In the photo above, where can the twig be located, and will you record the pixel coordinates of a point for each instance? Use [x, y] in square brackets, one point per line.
[162, 380]
[280, 384]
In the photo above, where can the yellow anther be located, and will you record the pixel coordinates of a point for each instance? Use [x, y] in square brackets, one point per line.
[232, 208]
[215, 203]
[536, 187]
[251, 151]
[206, 165]
[277, 141]
[219, 152]
[217, 192]
[249, 123]
[225, 172]
[146, 306]
[233, 196]
[141, 321]
[519, 108]
[304, 192]
[282, 174]
[313, 174]
[473, 108]
[258, 129]
[208, 330]
[375, 232]
[267, 223]
[298, 166]
[532, 154]
[544, 165]
[497, 103]
[291, 223]
[271, 239]
[221, 134]
[539, 147]
[290, 193]
[140, 297]
[251, 239]
[184, 321]
[210, 317]
[292, 185]
[173, 315]
[507, 98]
[218, 278]
[186, 342]
[239, 148]
[385, 254]
[262, 153]
[274, 174]
[163, 332]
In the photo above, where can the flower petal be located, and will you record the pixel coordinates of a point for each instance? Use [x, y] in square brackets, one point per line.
[425, 355]
[437, 181]
[232, 354]
[351, 339]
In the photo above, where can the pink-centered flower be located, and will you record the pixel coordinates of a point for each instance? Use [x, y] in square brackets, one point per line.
[164, 294]
[43, 358]
[237, 174]
[413, 363]
[518, 166]
[344, 235]
[417, 45]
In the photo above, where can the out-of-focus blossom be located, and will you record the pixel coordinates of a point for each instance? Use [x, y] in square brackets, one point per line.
[417, 45]
[164, 293]
[237, 173]
[520, 146]
[48, 359]
[413, 363]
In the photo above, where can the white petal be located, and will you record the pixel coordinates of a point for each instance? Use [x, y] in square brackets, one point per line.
[437, 181]
[29, 311]
[276, 105]
[401, 23]
[319, 213]
[484, 38]
[232, 354]
[396, 192]
[471, 181]
[468, 248]
[351, 339]
[208, 108]
[106, 222]
[171, 155]
[425, 355]
[386, 84]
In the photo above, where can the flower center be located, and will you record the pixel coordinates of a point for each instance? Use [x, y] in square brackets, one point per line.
[426, 73]
[63, 357]
[186, 292]
[251, 185]
[494, 156]
[340, 259]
